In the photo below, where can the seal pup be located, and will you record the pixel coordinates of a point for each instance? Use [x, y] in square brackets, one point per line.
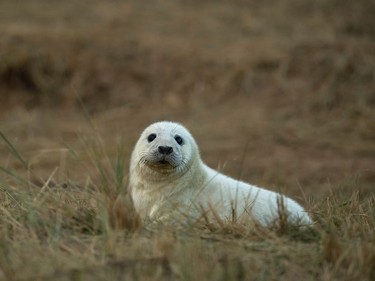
[168, 179]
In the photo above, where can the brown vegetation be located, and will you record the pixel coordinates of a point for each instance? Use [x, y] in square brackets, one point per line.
[277, 93]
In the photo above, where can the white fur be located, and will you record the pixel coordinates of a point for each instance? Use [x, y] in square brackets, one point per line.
[183, 184]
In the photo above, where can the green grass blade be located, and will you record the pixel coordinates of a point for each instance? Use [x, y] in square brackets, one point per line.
[14, 151]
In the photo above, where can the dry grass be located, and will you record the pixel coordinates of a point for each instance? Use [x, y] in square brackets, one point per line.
[277, 93]
[62, 231]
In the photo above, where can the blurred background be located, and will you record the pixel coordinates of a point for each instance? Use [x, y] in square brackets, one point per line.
[277, 93]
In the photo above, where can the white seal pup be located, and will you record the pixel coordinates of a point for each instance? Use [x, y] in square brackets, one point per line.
[168, 178]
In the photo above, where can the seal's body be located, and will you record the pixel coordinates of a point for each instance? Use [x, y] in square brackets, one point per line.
[169, 181]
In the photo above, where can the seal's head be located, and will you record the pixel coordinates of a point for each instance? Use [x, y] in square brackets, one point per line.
[164, 148]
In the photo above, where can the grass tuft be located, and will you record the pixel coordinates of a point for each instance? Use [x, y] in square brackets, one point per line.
[91, 232]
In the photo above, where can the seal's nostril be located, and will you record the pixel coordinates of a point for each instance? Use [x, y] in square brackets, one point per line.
[165, 149]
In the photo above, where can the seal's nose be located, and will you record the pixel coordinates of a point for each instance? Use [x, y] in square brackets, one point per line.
[165, 150]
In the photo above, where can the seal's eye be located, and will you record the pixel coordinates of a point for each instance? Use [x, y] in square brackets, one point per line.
[179, 140]
[151, 137]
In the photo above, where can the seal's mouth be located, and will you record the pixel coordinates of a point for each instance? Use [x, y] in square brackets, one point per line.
[162, 164]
